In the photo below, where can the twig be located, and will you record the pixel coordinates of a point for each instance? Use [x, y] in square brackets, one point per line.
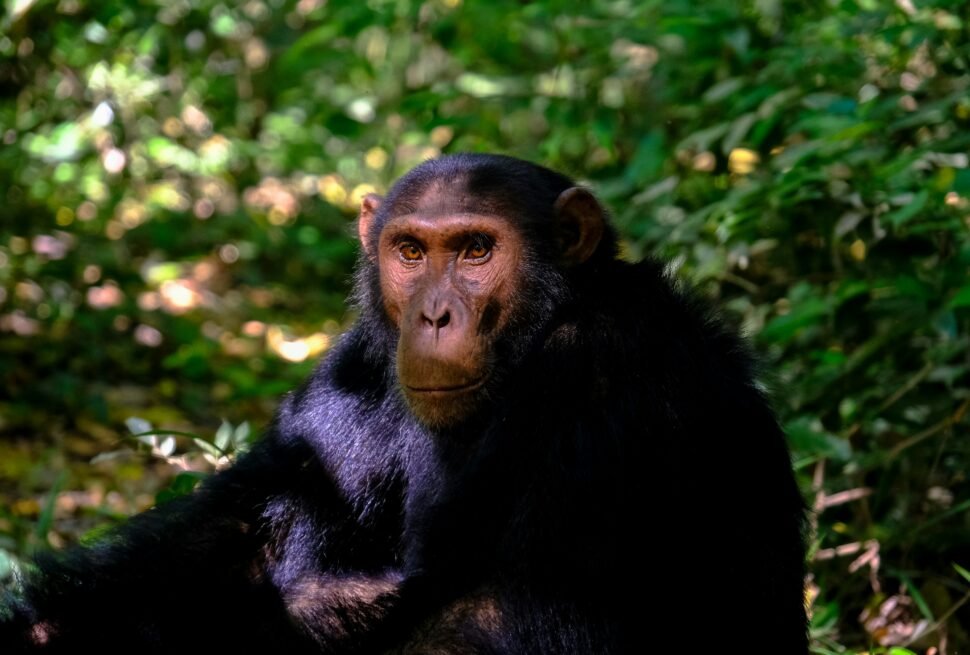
[949, 421]
[936, 625]
[823, 501]
[846, 549]
[906, 388]
[747, 285]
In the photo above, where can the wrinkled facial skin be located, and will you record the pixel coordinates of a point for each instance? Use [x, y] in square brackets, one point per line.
[448, 281]
[452, 279]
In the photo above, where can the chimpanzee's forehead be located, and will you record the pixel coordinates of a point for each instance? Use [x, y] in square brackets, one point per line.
[495, 185]
[457, 196]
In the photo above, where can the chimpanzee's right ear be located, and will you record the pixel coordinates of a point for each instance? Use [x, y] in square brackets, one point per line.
[581, 223]
[368, 209]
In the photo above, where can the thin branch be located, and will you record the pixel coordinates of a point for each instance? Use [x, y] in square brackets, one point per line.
[936, 625]
[844, 550]
[825, 501]
[906, 388]
[747, 285]
[949, 421]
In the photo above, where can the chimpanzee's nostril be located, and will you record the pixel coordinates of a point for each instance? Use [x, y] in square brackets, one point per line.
[436, 316]
[437, 323]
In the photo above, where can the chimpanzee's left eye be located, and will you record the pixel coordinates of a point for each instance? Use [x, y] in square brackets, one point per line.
[479, 248]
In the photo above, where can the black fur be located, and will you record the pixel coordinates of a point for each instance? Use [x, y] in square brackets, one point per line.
[627, 489]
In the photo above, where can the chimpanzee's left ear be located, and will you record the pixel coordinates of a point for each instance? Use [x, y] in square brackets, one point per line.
[369, 205]
[581, 224]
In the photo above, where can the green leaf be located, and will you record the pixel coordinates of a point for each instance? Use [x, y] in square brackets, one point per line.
[921, 603]
[137, 425]
[808, 312]
[167, 446]
[182, 484]
[46, 517]
[806, 436]
[704, 139]
[223, 436]
[241, 434]
[723, 89]
[295, 56]
[908, 211]
[7, 563]
[961, 298]
[961, 181]
[224, 25]
[208, 447]
[739, 129]
[962, 571]
[647, 160]
[66, 143]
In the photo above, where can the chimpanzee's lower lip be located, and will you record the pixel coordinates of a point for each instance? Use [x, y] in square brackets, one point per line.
[448, 389]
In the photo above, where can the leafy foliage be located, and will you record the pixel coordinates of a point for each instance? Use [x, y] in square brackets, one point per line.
[178, 179]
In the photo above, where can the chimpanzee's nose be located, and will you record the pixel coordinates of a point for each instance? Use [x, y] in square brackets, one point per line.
[436, 315]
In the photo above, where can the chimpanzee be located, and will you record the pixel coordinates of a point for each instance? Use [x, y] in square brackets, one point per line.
[524, 445]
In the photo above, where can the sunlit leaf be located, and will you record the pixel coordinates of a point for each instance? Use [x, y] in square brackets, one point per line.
[167, 446]
[223, 436]
[962, 571]
[137, 425]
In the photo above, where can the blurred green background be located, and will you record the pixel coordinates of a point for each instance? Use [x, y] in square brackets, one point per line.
[179, 179]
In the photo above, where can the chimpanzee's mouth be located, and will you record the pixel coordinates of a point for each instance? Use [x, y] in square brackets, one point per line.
[447, 389]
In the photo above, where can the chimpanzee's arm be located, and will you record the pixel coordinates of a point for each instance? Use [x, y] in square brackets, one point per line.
[203, 572]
